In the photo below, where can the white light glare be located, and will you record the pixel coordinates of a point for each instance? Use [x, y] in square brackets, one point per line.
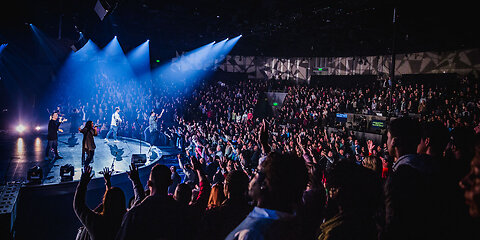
[20, 128]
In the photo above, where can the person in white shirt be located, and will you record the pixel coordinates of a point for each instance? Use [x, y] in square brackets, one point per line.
[116, 120]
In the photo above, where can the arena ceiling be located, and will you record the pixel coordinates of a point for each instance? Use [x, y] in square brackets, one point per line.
[269, 27]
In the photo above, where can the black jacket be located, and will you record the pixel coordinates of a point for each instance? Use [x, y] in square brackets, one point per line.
[88, 142]
[52, 129]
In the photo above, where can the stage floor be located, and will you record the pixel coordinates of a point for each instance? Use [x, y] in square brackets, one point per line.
[107, 154]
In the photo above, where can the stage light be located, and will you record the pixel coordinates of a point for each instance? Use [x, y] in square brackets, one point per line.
[105, 7]
[67, 172]
[21, 128]
[37, 128]
[35, 175]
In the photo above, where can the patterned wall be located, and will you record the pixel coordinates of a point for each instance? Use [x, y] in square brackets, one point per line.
[301, 69]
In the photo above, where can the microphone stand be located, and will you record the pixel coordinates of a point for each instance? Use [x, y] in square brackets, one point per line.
[140, 142]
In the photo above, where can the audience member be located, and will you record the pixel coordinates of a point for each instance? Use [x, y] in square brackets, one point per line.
[157, 216]
[276, 197]
[105, 220]
[407, 196]
[220, 221]
[357, 192]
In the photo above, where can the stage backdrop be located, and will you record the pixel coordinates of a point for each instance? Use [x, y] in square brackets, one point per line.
[302, 68]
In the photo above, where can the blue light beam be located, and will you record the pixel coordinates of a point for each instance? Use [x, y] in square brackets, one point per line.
[139, 59]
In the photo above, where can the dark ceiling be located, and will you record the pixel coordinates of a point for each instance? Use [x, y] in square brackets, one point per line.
[269, 27]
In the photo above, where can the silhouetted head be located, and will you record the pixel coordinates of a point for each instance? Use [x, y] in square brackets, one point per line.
[403, 136]
[434, 138]
[236, 184]
[279, 182]
[356, 189]
[159, 179]
[183, 194]
[114, 203]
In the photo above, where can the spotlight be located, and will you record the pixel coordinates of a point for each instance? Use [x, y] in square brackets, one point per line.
[105, 7]
[20, 128]
[79, 43]
[37, 128]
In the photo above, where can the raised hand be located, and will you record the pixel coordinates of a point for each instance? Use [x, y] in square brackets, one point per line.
[107, 174]
[370, 145]
[195, 163]
[87, 174]
[263, 133]
[133, 173]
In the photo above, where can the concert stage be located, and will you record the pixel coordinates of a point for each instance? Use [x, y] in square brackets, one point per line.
[107, 154]
[45, 211]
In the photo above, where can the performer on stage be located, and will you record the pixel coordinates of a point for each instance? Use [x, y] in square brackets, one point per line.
[116, 120]
[153, 126]
[52, 137]
[88, 143]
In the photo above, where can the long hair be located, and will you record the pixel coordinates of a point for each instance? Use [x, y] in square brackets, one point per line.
[89, 125]
[114, 204]
[216, 196]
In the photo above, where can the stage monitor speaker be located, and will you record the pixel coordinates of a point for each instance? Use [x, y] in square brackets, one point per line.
[66, 172]
[35, 175]
[139, 159]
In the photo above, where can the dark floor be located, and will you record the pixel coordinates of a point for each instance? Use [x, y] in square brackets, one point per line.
[18, 154]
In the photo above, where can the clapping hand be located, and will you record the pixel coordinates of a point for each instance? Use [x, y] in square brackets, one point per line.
[87, 174]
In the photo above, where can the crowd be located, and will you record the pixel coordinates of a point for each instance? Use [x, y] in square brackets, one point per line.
[289, 176]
